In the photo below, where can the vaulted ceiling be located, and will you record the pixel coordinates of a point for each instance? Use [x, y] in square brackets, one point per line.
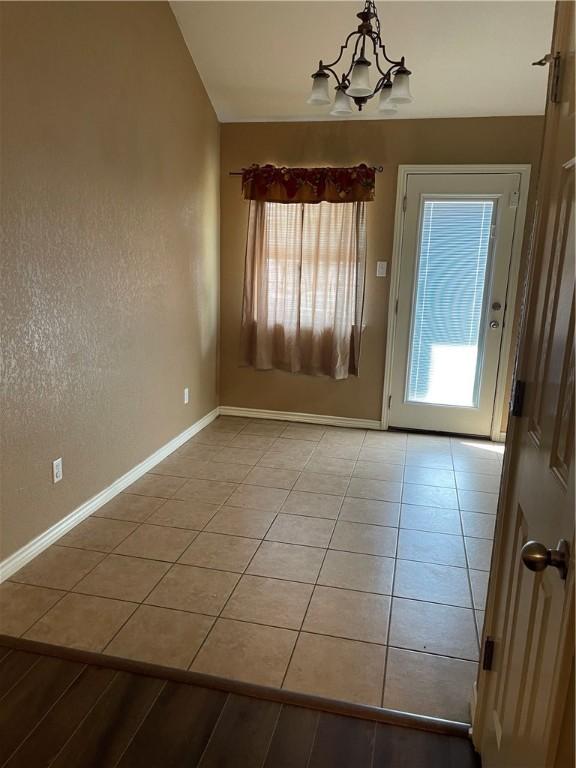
[469, 58]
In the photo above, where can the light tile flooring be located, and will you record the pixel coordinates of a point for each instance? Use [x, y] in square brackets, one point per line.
[337, 562]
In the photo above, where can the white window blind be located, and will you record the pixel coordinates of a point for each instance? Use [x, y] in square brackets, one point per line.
[309, 284]
[452, 271]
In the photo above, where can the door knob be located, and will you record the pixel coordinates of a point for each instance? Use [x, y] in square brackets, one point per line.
[494, 324]
[536, 557]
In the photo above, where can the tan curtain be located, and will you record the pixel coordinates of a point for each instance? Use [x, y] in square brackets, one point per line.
[304, 287]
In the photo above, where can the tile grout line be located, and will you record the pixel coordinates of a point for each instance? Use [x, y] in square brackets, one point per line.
[70, 590]
[213, 616]
[299, 631]
[326, 550]
[172, 567]
[469, 580]
[137, 604]
[387, 652]
[240, 574]
[288, 629]
[170, 563]
[209, 633]
[248, 564]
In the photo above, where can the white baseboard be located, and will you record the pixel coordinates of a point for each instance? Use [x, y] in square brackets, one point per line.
[16, 561]
[309, 418]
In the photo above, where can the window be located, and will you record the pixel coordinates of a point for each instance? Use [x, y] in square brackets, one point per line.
[452, 271]
[304, 286]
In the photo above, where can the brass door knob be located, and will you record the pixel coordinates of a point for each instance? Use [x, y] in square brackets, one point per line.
[494, 324]
[536, 557]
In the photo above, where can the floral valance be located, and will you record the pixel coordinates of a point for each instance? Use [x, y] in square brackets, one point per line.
[271, 184]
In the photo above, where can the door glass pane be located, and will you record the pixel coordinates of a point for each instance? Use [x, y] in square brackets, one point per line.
[453, 259]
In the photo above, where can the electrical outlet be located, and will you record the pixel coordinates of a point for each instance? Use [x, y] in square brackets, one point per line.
[381, 268]
[57, 470]
[186, 396]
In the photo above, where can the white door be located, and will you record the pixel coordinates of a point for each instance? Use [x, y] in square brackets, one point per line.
[530, 609]
[458, 231]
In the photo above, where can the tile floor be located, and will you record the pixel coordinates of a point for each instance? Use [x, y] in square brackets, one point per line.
[338, 562]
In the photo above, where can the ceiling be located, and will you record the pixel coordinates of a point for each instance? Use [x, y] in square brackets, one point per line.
[469, 58]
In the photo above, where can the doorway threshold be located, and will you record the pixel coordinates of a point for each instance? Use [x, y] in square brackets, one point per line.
[213, 682]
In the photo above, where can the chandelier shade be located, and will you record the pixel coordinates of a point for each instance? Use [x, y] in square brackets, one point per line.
[342, 104]
[320, 93]
[360, 83]
[401, 88]
[385, 106]
[369, 71]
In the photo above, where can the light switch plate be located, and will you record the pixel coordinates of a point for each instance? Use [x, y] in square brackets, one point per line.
[381, 268]
[57, 470]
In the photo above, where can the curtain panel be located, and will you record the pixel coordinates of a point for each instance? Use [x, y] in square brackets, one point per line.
[271, 184]
[304, 287]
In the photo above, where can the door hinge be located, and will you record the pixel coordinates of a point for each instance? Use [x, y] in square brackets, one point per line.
[518, 398]
[555, 60]
[555, 86]
[389, 401]
[405, 203]
[488, 653]
[396, 307]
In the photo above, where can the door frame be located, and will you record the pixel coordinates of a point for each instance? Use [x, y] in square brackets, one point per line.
[404, 171]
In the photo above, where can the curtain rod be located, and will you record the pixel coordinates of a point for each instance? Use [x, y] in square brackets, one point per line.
[377, 168]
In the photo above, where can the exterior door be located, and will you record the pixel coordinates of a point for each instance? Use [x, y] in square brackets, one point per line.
[530, 615]
[456, 248]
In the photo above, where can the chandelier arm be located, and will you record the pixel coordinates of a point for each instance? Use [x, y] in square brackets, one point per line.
[354, 56]
[378, 45]
[380, 84]
[328, 68]
[390, 61]
[387, 75]
[343, 48]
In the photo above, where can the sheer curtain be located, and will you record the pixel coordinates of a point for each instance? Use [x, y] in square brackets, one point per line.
[304, 287]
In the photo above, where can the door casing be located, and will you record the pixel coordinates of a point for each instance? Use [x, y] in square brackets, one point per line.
[404, 171]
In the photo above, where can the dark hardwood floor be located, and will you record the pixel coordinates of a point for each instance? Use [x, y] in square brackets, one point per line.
[68, 713]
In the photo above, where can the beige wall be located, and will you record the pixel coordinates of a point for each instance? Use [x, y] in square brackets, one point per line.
[388, 143]
[110, 198]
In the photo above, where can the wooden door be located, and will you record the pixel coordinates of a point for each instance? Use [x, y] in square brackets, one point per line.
[530, 615]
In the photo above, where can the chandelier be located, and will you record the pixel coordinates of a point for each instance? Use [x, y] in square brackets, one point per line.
[354, 86]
